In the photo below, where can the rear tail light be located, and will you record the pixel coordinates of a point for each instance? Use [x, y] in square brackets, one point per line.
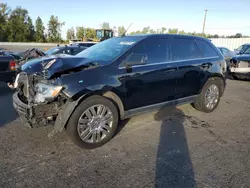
[13, 65]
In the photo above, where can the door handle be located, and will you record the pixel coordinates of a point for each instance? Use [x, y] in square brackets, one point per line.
[170, 70]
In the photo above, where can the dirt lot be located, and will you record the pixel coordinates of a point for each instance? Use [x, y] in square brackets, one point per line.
[174, 147]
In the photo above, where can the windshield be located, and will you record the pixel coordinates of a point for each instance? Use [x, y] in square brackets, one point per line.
[110, 49]
[51, 51]
[247, 51]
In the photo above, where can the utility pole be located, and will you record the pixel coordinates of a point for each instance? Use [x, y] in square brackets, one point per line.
[204, 23]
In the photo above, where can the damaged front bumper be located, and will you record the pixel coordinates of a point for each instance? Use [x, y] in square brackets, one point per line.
[44, 114]
[35, 115]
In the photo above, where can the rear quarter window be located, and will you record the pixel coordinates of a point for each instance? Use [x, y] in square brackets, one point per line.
[185, 49]
[206, 48]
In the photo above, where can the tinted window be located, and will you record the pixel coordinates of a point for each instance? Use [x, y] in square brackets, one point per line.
[207, 50]
[224, 51]
[183, 49]
[155, 49]
[76, 51]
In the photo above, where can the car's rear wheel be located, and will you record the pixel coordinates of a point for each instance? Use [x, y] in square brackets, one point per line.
[93, 123]
[210, 95]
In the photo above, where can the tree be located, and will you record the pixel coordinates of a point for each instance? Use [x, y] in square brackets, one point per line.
[54, 29]
[30, 30]
[79, 32]
[39, 36]
[70, 33]
[90, 33]
[151, 31]
[163, 30]
[182, 32]
[173, 31]
[121, 30]
[238, 35]
[145, 30]
[4, 13]
[105, 25]
[19, 26]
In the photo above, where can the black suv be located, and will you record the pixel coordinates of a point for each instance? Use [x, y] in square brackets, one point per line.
[89, 93]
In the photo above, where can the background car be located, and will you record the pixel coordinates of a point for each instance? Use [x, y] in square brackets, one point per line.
[70, 50]
[240, 65]
[228, 54]
[241, 49]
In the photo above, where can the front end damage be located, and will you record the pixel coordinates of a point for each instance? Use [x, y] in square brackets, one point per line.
[240, 69]
[38, 101]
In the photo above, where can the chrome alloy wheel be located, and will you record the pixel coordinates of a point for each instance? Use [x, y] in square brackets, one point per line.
[95, 123]
[212, 96]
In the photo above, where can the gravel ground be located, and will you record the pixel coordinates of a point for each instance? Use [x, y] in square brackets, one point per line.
[173, 147]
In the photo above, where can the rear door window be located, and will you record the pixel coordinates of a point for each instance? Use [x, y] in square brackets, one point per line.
[185, 49]
[207, 49]
[155, 49]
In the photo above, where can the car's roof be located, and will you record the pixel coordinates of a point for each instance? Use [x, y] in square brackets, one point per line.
[164, 35]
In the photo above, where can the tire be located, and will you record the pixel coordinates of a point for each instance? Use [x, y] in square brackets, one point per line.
[73, 129]
[200, 103]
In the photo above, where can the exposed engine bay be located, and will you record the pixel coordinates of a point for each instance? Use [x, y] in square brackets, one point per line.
[240, 68]
[41, 103]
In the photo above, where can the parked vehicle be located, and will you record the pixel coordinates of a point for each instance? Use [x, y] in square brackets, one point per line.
[84, 44]
[120, 77]
[241, 49]
[240, 65]
[228, 54]
[69, 50]
[7, 68]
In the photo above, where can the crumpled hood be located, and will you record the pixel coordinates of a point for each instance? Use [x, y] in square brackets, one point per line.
[242, 57]
[49, 66]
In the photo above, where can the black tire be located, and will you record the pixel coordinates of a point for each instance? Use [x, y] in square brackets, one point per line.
[199, 103]
[72, 124]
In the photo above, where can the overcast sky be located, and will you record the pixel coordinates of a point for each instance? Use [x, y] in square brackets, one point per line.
[224, 17]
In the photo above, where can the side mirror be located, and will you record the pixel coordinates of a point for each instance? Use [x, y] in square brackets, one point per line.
[136, 59]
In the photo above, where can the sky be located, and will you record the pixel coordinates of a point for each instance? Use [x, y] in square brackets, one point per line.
[224, 17]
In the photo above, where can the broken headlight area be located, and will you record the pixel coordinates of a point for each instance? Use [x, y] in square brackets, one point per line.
[46, 93]
[38, 101]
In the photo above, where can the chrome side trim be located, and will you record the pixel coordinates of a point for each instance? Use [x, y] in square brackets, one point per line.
[170, 62]
[137, 111]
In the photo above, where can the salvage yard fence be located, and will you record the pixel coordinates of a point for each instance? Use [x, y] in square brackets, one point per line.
[230, 43]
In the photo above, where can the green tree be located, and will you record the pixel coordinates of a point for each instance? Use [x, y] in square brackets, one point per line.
[39, 36]
[173, 31]
[89, 33]
[4, 13]
[79, 32]
[182, 32]
[238, 35]
[54, 29]
[30, 30]
[151, 31]
[145, 30]
[121, 30]
[70, 33]
[19, 26]
[163, 30]
[105, 25]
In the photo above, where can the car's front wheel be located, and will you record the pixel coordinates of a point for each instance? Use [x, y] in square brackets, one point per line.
[93, 123]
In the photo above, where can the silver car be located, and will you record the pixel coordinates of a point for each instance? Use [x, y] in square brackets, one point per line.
[228, 54]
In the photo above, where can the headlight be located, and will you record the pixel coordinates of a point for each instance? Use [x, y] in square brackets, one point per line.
[46, 92]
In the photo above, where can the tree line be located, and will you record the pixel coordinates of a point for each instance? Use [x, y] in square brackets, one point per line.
[17, 26]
